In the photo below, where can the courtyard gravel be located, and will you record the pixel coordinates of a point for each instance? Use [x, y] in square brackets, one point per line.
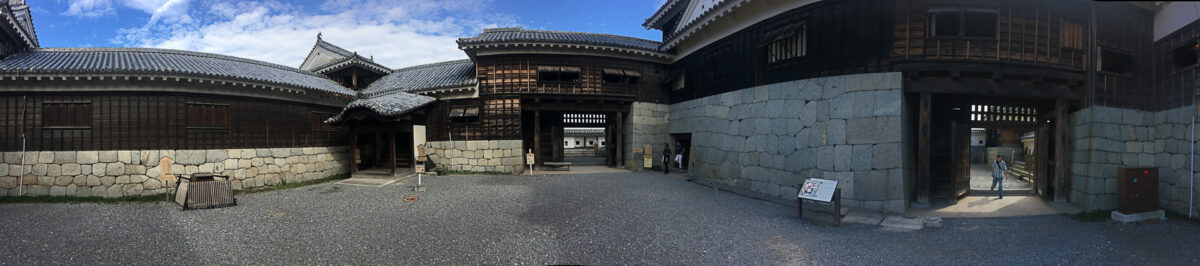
[612, 218]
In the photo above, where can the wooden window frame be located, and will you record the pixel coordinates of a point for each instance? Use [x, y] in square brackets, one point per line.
[1072, 35]
[558, 73]
[1102, 50]
[624, 76]
[931, 30]
[1175, 55]
[790, 46]
[228, 116]
[460, 115]
[48, 115]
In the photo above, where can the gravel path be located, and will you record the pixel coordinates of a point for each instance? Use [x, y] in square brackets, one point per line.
[981, 179]
[622, 218]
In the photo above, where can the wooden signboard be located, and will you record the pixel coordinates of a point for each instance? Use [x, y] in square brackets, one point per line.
[529, 159]
[637, 150]
[648, 163]
[419, 167]
[421, 153]
[649, 149]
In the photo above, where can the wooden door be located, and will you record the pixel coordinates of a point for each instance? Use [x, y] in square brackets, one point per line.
[960, 156]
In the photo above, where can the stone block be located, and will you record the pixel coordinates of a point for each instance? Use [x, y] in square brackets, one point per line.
[842, 157]
[107, 156]
[41, 180]
[39, 169]
[861, 158]
[4, 169]
[107, 180]
[125, 157]
[842, 106]
[836, 133]
[886, 156]
[92, 181]
[873, 130]
[58, 191]
[887, 102]
[132, 189]
[114, 168]
[98, 169]
[87, 157]
[832, 86]
[79, 180]
[123, 179]
[8, 182]
[45, 157]
[871, 185]
[53, 170]
[63, 180]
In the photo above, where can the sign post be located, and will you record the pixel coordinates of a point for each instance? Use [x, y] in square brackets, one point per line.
[529, 160]
[419, 167]
[821, 190]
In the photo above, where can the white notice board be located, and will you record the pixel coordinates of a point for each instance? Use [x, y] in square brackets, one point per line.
[818, 189]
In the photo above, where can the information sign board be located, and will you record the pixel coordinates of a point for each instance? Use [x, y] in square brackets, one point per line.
[818, 189]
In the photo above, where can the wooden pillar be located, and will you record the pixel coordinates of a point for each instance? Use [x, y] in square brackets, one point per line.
[1060, 150]
[537, 132]
[620, 142]
[392, 149]
[353, 154]
[923, 147]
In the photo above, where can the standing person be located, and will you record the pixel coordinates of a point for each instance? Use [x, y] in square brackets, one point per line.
[678, 155]
[666, 159]
[999, 173]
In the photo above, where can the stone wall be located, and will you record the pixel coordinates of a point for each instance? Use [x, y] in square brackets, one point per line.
[770, 138]
[477, 155]
[646, 124]
[135, 173]
[1105, 138]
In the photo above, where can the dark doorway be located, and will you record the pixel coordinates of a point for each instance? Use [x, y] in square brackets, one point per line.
[682, 147]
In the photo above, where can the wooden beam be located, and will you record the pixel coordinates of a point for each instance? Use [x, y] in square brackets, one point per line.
[620, 142]
[923, 147]
[353, 152]
[537, 132]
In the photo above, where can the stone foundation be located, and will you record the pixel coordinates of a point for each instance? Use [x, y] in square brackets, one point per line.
[1105, 138]
[646, 124]
[477, 155]
[770, 138]
[137, 173]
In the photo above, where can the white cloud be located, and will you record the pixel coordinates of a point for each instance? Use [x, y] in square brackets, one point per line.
[89, 8]
[397, 33]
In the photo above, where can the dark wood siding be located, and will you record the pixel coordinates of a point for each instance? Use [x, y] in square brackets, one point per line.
[161, 121]
[1175, 84]
[518, 74]
[843, 37]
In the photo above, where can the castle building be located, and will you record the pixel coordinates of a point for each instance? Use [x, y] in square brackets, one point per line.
[880, 95]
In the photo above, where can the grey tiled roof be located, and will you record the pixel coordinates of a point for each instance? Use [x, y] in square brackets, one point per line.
[352, 60]
[507, 35]
[449, 74]
[109, 61]
[333, 48]
[391, 104]
[16, 13]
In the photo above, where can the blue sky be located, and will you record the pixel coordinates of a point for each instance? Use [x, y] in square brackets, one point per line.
[397, 33]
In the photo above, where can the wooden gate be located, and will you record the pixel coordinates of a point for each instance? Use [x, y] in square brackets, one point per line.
[960, 156]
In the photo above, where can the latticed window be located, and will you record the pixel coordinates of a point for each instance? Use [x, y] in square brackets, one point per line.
[788, 47]
[207, 116]
[1072, 34]
[67, 115]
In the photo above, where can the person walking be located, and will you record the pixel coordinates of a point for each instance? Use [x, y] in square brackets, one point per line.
[666, 158]
[679, 155]
[999, 173]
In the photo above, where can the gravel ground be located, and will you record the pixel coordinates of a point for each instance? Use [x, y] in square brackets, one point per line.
[622, 218]
[981, 179]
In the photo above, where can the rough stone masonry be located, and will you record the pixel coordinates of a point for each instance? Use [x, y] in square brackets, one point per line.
[770, 138]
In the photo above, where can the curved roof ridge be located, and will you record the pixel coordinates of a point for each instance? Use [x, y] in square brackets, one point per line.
[432, 64]
[178, 52]
[333, 47]
[568, 32]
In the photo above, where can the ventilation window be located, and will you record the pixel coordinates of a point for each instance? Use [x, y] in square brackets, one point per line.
[558, 74]
[677, 83]
[77, 115]
[788, 47]
[963, 22]
[207, 116]
[1185, 57]
[1114, 62]
[1072, 34]
[464, 114]
[619, 76]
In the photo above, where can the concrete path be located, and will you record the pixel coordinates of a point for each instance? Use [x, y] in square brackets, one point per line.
[992, 206]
